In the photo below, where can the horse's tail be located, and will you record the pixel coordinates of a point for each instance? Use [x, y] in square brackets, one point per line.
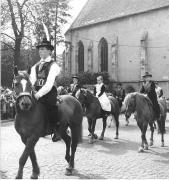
[76, 133]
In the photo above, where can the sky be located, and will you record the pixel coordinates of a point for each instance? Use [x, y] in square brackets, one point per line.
[76, 6]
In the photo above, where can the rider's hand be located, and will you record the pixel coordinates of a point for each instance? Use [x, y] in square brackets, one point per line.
[37, 96]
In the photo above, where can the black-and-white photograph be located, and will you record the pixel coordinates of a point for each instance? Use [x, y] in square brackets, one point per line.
[84, 89]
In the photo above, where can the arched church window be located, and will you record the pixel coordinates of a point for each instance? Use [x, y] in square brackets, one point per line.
[103, 45]
[80, 57]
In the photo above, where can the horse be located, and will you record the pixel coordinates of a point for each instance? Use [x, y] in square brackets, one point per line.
[94, 111]
[143, 107]
[32, 122]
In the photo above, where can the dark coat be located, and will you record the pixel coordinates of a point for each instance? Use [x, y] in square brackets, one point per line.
[149, 89]
[120, 95]
[74, 88]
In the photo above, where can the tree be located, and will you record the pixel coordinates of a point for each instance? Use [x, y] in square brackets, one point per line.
[26, 17]
[54, 14]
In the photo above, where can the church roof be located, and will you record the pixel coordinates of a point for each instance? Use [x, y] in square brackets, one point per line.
[97, 11]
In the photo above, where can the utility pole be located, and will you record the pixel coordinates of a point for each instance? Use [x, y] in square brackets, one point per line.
[55, 38]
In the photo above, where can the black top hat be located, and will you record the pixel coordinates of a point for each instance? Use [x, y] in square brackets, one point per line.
[147, 74]
[45, 43]
[75, 77]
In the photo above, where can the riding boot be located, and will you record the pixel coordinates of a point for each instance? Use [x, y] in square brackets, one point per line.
[56, 124]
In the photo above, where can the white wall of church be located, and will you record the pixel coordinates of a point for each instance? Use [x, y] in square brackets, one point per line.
[129, 31]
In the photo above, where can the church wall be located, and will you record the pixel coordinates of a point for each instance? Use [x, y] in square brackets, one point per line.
[129, 31]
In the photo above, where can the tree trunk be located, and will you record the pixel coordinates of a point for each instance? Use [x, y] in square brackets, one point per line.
[17, 52]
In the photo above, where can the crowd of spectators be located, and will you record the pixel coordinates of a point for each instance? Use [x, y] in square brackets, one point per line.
[7, 104]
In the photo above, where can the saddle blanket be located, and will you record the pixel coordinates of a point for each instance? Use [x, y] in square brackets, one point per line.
[105, 102]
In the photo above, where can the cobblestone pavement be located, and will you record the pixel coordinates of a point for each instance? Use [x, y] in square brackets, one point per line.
[104, 159]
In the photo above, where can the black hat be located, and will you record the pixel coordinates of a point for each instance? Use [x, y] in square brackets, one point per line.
[147, 74]
[45, 43]
[75, 77]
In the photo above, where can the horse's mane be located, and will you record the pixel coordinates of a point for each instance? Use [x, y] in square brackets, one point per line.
[141, 97]
[128, 97]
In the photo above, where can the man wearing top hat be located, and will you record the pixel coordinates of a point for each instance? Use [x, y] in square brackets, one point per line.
[148, 88]
[43, 76]
[74, 86]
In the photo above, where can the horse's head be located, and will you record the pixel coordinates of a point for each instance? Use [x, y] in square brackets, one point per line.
[81, 96]
[130, 104]
[23, 89]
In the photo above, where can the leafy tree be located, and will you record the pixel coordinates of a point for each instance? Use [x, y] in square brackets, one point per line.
[26, 18]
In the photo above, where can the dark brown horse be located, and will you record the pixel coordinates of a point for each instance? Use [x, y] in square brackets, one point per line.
[94, 111]
[31, 122]
[142, 105]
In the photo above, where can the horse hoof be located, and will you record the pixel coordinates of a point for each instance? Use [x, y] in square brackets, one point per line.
[126, 124]
[116, 137]
[89, 134]
[34, 176]
[141, 150]
[18, 177]
[146, 147]
[109, 126]
[95, 136]
[90, 141]
[151, 143]
[68, 171]
[162, 144]
[101, 138]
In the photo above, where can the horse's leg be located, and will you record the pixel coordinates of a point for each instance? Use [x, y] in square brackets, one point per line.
[116, 117]
[161, 125]
[74, 142]
[140, 125]
[89, 126]
[29, 146]
[67, 141]
[104, 119]
[93, 136]
[152, 132]
[144, 136]
[36, 170]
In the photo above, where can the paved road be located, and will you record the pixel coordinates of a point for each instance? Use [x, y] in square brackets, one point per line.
[103, 159]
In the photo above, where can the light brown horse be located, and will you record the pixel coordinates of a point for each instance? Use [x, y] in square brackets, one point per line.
[142, 105]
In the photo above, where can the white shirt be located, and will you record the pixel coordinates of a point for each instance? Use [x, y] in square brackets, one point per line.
[53, 73]
[98, 88]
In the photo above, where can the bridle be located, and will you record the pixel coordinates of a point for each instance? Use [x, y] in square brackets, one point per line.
[29, 94]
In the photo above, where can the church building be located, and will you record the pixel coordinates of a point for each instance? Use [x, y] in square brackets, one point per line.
[125, 38]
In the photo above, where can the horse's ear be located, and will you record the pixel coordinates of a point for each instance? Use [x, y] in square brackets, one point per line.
[15, 71]
[29, 70]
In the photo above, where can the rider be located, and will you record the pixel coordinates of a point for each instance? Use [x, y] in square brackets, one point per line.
[120, 94]
[99, 92]
[43, 76]
[74, 86]
[158, 90]
[148, 88]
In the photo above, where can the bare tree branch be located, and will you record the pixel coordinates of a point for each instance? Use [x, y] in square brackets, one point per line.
[8, 36]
